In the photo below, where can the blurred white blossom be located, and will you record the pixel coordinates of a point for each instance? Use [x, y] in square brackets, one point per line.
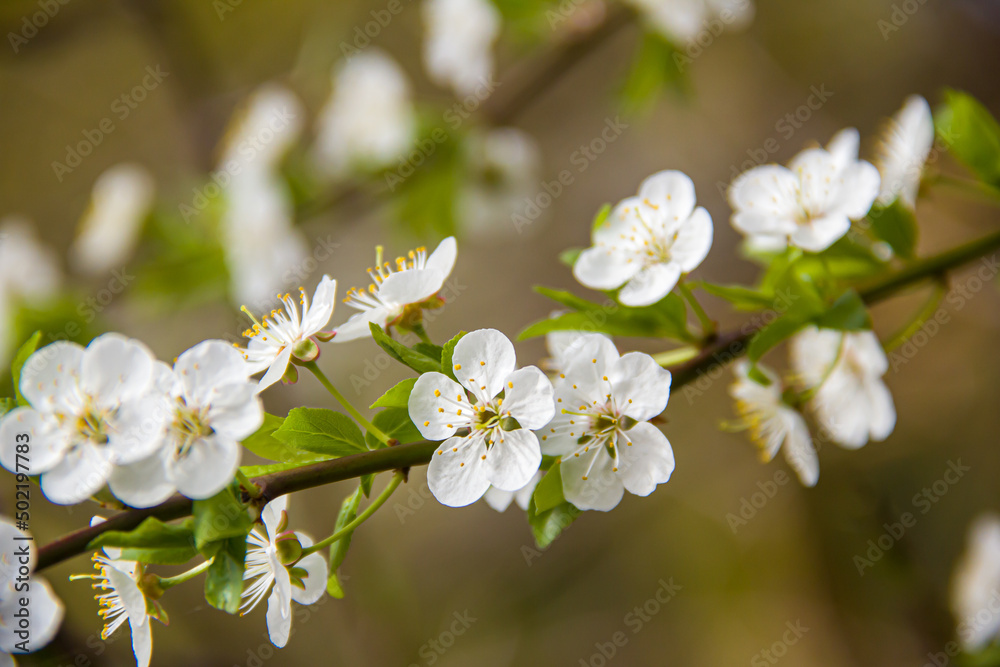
[905, 146]
[458, 44]
[682, 21]
[975, 589]
[369, 120]
[121, 199]
[29, 272]
[46, 610]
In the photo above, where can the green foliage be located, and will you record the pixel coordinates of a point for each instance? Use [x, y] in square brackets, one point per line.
[658, 66]
[220, 517]
[264, 444]
[664, 319]
[546, 526]
[395, 423]
[448, 355]
[741, 298]
[224, 578]
[152, 541]
[6, 405]
[415, 359]
[549, 492]
[896, 225]
[844, 260]
[321, 431]
[971, 134]
[338, 550]
[397, 397]
[425, 194]
[18, 363]
[848, 313]
[601, 217]
[569, 256]
[774, 333]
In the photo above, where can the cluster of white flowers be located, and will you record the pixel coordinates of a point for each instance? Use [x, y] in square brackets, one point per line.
[111, 412]
[458, 44]
[20, 592]
[369, 120]
[260, 240]
[683, 21]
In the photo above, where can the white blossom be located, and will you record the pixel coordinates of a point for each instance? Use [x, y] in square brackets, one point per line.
[369, 121]
[601, 429]
[90, 409]
[458, 44]
[121, 199]
[303, 581]
[844, 370]
[683, 21]
[648, 241]
[18, 556]
[29, 273]
[214, 405]
[497, 446]
[773, 424]
[397, 295]
[975, 587]
[500, 500]
[282, 334]
[565, 346]
[810, 203]
[906, 144]
[504, 169]
[261, 130]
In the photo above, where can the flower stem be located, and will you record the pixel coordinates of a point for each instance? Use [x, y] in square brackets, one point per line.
[418, 329]
[371, 428]
[918, 321]
[707, 324]
[169, 582]
[360, 519]
[678, 356]
[252, 489]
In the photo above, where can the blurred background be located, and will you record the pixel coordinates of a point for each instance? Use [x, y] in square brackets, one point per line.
[585, 87]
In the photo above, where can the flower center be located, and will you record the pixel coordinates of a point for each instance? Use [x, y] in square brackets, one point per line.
[91, 423]
[190, 425]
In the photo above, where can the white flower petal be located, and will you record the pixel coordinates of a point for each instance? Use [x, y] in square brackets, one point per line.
[321, 308]
[276, 369]
[799, 451]
[604, 268]
[497, 499]
[650, 284]
[142, 644]
[482, 361]
[818, 234]
[645, 459]
[207, 365]
[137, 427]
[442, 260]
[589, 482]
[279, 607]
[81, 473]
[115, 368]
[693, 240]
[411, 286]
[357, 327]
[882, 410]
[50, 376]
[765, 200]
[46, 445]
[315, 579]
[528, 398]
[142, 484]
[434, 404]
[844, 146]
[640, 386]
[457, 474]
[670, 193]
[235, 410]
[208, 466]
[513, 459]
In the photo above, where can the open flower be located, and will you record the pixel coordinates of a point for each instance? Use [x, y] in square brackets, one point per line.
[648, 242]
[844, 370]
[500, 500]
[906, 143]
[369, 120]
[498, 447]
[976, 585]
[91, 409]
[279, 336]
[397, 296]
[121, 598]
[273, 564]
[773, 423]
[601, 430]
[16, 564]
[458, 46]
[122, 197]
[214, 405]
[809, 204]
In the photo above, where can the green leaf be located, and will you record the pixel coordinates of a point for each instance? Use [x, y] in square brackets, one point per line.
[843, 260]
[549, 492]
[896, 225]
[397, 397]
[664, 319]
[567, 299]
[367, 481]
[972, 135]
[321, 431]
[152, 541]
[774, 333]
[447, 365]
[429, 350]
[6, 405]
[742, 298]
[569, 256]
[18, 363]
[601, 217]
[546, 526]
[220, 517]
[338, 550]
[264, 444]
[848, 313]
[395, 423]
[224, 579]
[418, 361]
[658, 65]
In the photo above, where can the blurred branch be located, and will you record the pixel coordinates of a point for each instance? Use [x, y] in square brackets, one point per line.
[723, 349]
